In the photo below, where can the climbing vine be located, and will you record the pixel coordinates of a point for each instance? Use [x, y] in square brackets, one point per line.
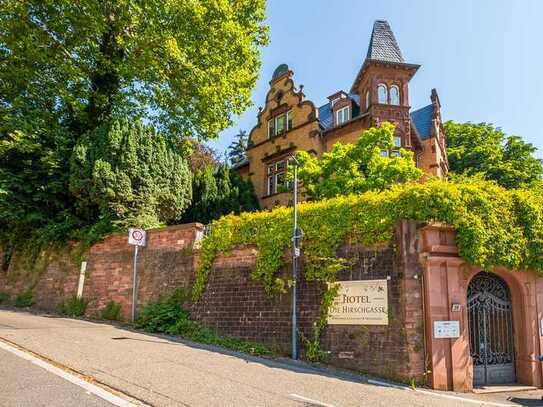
[495, 227]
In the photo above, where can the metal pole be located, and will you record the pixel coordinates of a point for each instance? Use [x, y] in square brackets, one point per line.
[295, 254]
[134, 283]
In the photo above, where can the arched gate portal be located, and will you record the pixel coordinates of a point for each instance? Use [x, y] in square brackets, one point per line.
[491, 330]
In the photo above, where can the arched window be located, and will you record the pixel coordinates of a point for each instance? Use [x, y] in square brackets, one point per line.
[367, 99]
[394, 95]
[382, 96]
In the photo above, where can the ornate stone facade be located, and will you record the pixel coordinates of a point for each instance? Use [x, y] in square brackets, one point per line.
[289, 122]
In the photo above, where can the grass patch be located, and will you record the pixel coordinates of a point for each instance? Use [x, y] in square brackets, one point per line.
[74, 307]
[4, 297]
[25, 299]
[168, 316]
[111, 312]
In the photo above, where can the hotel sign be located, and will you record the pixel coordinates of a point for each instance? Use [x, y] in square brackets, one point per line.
[360, 303]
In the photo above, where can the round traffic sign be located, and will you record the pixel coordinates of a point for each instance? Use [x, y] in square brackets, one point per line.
[137, 235]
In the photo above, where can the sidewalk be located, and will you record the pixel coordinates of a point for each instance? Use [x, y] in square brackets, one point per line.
[162, 372]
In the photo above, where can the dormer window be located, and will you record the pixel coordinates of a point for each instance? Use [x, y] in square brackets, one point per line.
[280, 124]
[343, 115]
[394, 95]
[382, 94]
[336, 97]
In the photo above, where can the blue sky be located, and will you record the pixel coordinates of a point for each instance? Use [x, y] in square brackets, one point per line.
[484, 57]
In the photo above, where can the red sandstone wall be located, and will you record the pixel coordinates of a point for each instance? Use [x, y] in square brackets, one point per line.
[236, 305]
[163, 265]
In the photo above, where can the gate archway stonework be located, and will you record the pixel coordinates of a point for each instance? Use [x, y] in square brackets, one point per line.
[446, 277]
[490, 328]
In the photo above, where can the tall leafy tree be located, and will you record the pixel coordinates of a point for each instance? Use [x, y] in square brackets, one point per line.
[34, 175]
[69, 68]
[187, 65]
[129, 175]
[356, 168]
[237, 151]
[484, 150]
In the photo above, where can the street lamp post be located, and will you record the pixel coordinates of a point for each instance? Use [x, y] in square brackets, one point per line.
[296, 237]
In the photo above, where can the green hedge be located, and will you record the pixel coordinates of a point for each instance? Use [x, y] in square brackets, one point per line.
[495, 227]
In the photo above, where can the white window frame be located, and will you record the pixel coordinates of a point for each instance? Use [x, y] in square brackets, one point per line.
[397, 89]
[284, 119]
[379, 99]
[289, 120]
[274, 171]
[397, 140]
[344, 113]
[367, 99]
[384, 153]
[268, 186]
[273, 127]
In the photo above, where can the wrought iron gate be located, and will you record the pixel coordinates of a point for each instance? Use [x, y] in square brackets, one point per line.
[490, 330]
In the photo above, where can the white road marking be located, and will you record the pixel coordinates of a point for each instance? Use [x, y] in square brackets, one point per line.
[310, 401]
[91, 388]
[445, 396]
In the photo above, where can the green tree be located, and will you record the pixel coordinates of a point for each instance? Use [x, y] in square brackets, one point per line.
[129, 175]
[356, 168]
[71, 67]
[201, 156]
[484, 150]
[219, 191]
[186, 65]
[34, 175]
[237, 151]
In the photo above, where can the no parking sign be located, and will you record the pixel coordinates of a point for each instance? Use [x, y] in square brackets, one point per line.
[136, 237]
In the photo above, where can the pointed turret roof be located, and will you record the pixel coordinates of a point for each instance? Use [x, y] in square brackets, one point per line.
[383, 45]
[383, 49]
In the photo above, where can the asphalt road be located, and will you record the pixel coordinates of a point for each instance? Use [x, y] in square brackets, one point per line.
[162, 372]
[25, 384]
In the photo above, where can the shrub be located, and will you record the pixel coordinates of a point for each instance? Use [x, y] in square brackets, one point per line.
[112, 311]
[74, 307]
[163, 314]
[25, 299]
[168, 316]
[4, 297]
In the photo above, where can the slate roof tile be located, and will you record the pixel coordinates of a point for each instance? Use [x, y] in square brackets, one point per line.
[383, 45]
[422, 119]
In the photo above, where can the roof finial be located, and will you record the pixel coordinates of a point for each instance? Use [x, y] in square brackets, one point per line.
[280, 71]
